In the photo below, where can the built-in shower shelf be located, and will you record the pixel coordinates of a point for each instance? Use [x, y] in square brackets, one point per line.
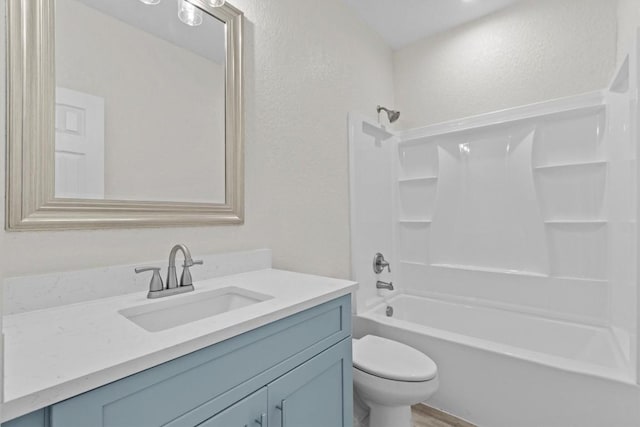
[490, 270]
[415, 221]
[570, 165]
[576, 221]
[598, 282]
[420, 264]
[418, 141]
[378, 132]
[418, 178]
[585, 279]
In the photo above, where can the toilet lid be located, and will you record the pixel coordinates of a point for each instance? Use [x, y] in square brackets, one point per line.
[392, 360]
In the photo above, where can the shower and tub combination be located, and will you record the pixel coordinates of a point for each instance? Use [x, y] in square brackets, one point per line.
[512, 240]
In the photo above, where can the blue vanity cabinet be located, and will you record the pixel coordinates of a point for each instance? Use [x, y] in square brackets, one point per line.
[250, 411]
[34, 419]
[316, 394]
[303, 360]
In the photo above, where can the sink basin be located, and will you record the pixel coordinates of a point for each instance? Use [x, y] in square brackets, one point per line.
[182, 309]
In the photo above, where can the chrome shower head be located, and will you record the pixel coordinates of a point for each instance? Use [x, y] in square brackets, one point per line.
[391, 114]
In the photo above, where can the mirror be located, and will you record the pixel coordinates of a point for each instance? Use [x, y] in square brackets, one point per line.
[132, 117]
[139, 103]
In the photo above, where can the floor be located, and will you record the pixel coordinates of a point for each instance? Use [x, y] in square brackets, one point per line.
[424, 416]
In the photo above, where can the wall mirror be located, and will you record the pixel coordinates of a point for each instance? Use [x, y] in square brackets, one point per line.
[123, 113]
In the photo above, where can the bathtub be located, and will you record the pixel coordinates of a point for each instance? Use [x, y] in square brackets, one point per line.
[501, 368]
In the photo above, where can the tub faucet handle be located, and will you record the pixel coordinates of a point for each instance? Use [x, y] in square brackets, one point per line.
[379, 264]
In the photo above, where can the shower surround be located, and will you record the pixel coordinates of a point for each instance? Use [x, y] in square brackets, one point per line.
[512, 238]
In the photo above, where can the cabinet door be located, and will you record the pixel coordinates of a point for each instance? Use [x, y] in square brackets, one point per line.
[318, 393]
[34, 419]
[249, 412]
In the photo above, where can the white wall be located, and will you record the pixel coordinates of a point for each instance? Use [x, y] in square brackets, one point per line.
[533, 51]
[164, 106]
[2, 184]
[308, 64]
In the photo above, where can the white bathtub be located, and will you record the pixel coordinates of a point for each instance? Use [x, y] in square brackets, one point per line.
[501, 368]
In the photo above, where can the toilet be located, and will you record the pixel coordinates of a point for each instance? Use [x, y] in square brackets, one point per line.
[390, 377]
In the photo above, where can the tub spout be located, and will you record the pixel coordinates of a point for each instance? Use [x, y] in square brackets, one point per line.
[384, 285]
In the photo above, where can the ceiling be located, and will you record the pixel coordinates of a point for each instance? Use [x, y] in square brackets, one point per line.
[401, 22]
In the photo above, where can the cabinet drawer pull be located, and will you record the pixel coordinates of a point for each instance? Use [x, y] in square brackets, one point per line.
[262, 420]
[282, 408]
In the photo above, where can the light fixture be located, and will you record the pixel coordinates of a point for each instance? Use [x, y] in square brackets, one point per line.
[215, 3]
[189, 14]
[150, 2]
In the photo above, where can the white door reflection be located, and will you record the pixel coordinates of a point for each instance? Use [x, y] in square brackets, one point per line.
[79, 153]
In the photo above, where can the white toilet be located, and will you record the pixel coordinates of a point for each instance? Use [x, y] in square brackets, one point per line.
[390, 377]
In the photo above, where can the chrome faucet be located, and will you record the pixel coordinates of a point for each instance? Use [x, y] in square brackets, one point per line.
[384, 285]
[157, 289]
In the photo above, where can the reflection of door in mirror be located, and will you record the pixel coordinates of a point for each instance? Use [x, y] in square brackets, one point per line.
[79, 149]
[163, 86]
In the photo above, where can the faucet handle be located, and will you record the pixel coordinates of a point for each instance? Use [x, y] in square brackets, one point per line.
[379, 264]
[156, 281]
[143, 269]
[186, 279]
[195, 262]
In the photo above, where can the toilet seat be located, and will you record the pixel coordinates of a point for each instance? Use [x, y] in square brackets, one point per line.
[392, 360]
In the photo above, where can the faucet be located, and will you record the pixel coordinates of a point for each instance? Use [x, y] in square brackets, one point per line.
[157, 289]
[384, 285]
[172, 277]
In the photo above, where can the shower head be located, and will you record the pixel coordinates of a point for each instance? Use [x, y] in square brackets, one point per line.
[391, 114]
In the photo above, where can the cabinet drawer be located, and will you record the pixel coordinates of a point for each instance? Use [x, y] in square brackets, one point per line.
[190, 383]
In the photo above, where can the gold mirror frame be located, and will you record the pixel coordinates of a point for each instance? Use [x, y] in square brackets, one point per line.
[30, 201]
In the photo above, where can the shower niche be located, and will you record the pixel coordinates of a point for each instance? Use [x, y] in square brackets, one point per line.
[416, 199]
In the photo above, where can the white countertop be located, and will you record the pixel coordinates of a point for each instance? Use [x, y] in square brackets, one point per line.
[58, 353]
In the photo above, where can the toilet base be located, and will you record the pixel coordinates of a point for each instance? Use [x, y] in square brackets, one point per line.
[389, 416]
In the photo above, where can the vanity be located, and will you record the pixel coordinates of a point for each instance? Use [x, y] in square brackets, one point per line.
[277, 353]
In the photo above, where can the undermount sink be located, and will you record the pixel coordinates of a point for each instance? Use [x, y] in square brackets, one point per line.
[182, 309]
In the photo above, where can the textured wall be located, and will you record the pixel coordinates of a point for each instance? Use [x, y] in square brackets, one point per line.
[533, 51]
[308, 64]
[628, 23]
